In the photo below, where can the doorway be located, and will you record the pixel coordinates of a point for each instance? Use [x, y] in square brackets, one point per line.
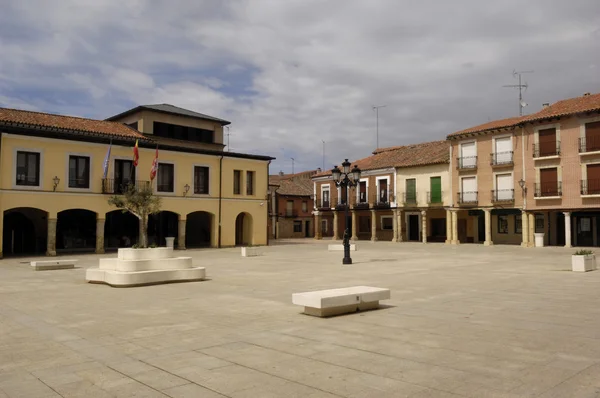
[243, 229]
[307, 229]
[481, 228]
[413, 227]
[124, 174]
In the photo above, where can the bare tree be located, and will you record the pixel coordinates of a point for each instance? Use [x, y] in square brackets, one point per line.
[140, 202]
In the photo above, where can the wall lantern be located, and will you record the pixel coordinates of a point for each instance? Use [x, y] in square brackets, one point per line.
[186, 189]
[55, 180]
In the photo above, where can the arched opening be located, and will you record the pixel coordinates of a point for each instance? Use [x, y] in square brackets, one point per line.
[120, 229]
[25, 231]
[162, 225]
[198, 229]
[243, 229]
[76, 231]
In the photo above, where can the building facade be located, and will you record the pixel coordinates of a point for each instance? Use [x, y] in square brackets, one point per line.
[400, 196]
[292, 204]
[54, 194]
[536, 174]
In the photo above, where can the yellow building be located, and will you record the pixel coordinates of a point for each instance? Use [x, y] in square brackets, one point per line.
[54, 192]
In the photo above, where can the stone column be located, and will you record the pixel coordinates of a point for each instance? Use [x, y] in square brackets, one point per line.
[318, 232]
[51, 246]
[335, 225]
[448, 227]
[181, 234]
[488, 227]
[424, 225]
[567, 229]
[524, 229]
[531, 230]
[100, 235]
[373, 225]
[395, 225]
[455, 239]
[354, 223]
[1, 232]
[401, 226]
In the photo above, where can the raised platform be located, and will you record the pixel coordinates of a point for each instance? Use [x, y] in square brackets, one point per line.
[137, 267]
[331, 302]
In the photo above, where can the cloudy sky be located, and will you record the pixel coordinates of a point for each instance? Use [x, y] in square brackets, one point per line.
[290, 74]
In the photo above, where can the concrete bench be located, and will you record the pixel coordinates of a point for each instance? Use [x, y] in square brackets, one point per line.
[53, 264]
[330, 302]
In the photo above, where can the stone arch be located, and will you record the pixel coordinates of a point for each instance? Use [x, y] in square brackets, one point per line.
[121, 229]
[162, 225]
[199, 229]
[25, 231]
[243, 229]
[76, 230]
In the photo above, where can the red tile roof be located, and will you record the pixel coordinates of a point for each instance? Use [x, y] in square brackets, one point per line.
[415, 155]
[298, 184]
[493, 125]
[67, 123]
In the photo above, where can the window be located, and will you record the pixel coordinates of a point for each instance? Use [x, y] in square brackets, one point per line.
[411, 191]
[28, 168]
[166, 178]
[289, 208]
[549, 184]
[201, 180]
[518, 224]
[324, 227]
[362, 192]
[592, 137]
[435, 185]
[343, 195]
[249, 183]
[325, 196]
[547, 143]
[178, 132]
[383, 190]
[297, 226]
[133, 125]
[237, 182]
[539, 223]
[79, 172]
[304, 206]
[502, 224]
[387, 222]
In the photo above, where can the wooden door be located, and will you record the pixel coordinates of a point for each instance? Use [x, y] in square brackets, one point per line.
[547, 142]
[549, 182]
[592, 137]
[593, 179]
[461, 226]
[413, 227]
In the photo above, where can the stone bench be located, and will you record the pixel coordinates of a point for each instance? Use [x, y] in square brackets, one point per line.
[340, 247]
[330, 302]
[45, 265]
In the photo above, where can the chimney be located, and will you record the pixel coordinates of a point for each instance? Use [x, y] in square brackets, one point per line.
[545, 105]
[586, 94]
[318, 170]
[281, 173]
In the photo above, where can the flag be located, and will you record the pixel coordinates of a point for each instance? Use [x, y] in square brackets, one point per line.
[107, 160]
[154, 167]
[136, 154]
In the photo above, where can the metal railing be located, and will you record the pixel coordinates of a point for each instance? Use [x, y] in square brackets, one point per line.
[466, 162]
[467, 197]
[361, 205]
[323, 204]
[380, 204]
[590, 187]
[544, 149]
[79, 183]
[591, 144]
[291, 213]
[410, 198]
[112, 186]
[501, 158]
[435, 198]
[546, 189]
[503, 195]
[168, 187]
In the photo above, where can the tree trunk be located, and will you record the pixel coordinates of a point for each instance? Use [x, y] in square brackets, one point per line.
[143, 241]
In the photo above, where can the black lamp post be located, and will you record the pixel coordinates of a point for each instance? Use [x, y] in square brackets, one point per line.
[346, 178]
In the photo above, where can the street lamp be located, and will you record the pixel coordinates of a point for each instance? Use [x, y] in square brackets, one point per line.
[346, 178]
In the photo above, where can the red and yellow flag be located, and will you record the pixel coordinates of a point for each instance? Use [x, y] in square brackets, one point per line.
[136, 154]
[154, 167]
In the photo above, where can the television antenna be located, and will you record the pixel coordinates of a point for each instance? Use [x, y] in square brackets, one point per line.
[292, 165]
[520, 86]
[376, 109]
[228, 134]
[323, 141]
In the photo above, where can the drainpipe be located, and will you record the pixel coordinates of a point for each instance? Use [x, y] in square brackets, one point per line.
[220, 199]
[523, 164]
[268, 204]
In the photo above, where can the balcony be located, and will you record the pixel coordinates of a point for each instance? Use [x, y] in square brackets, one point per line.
[501, 159]
[587, 145]
[435, 198]
[361, 206]
[467, 198]
[590, 187]
[544, 150]
[466, 163]
[112, 186]
[341, 206]
[381, 205]
[503, 195]
[323, 204]
[410, 199]
[290, 213]
[548, 189]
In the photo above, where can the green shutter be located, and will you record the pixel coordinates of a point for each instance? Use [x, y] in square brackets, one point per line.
[411, 190]
[436, 190]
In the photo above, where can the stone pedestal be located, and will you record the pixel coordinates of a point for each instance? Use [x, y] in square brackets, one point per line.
[51, 246]
[100, 235]
[181, 235]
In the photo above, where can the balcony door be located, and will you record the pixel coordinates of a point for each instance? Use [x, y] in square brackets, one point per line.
[411, 190]
[547, 142]
[124, 174]
[504, 187]
[592, 137]
[436, 189]
[383, 191]
[593, 179]
[362, 192]
[549, 182]
[468, 154]
[503, 150]
[469, 189]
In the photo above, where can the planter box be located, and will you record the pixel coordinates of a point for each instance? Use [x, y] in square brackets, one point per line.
[251, 251]
[583, 263]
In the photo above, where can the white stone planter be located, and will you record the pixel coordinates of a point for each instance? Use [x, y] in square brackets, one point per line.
[170, 241]
[539, 239]
[251, 251]
[583, 263]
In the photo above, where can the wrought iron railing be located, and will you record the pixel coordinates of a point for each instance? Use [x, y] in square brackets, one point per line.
[410, 198]
[503, 195]
[589, 144]
[590, 187]
[323, 204]
[466, 162]
[544, 149]
[79, 183]
[546, 189]
[435, 198]
[501, 158]
[467, 197]
[112, 186]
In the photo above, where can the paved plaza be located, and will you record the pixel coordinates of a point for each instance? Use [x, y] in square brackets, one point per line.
[463, 321]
